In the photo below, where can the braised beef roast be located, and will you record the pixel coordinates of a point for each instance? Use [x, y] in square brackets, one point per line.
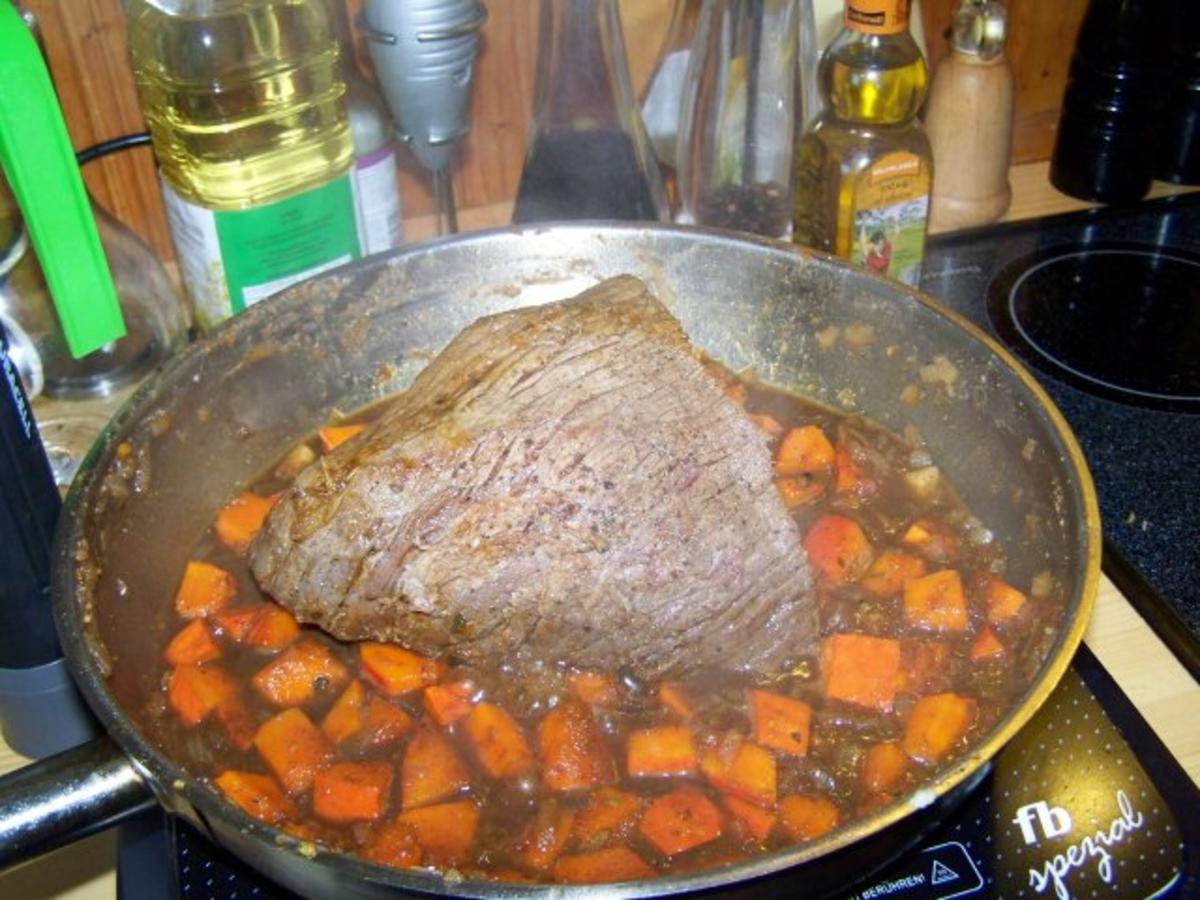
[566, 481]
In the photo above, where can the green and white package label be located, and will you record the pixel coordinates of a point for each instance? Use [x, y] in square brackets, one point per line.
[231, 259]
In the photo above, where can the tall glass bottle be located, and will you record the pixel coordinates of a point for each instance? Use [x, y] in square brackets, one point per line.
[864, 170]
[587, 155]
[248, 120]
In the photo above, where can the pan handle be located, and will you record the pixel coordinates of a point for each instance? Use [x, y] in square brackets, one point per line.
[67, 797]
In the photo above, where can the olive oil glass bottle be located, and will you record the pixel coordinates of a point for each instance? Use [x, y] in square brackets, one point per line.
[863, 171]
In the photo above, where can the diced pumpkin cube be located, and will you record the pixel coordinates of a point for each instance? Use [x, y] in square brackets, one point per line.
[608, 812]
[838, 549]
[594, 688]
[240, 521]
[447, 703]
[192, 645]
[767, 424]
[860, 669]
[235, 623]
[795, 492]
[663, 751]
[195, 691]
[680, 820]
[385, 724]
[364, 720]
[498, 741]
[393, 844]
[347, 715]
[986, 646]
[572, 753]
[890, 571]
[293, 748]
[546, 837]
[851, 478]
[804, 451]
[333, 436]
[936, 724]
[204, 590]
[924, 667]
[780, 723]
[352, 791]
[299, 673]
[394, 670]
[932, 539]
[274, 628]
[612, 864]
[806, 817]
[676, 700]
[1004, 602]
[754, 821]
[740, 768]
[445, 831]
[259, 796]
[431, 770]
[236, 721]
[936, 602]
[883, 768]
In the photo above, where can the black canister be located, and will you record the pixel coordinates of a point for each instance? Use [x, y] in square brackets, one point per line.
[1102, 151]
[1178, 127]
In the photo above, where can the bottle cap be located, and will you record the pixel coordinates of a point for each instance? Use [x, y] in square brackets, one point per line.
[877, 16]
[979, 28]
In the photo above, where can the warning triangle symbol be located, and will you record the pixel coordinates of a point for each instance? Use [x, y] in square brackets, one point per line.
[942, 873]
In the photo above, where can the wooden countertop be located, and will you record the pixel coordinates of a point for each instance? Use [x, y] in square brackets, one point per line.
[1150, 675]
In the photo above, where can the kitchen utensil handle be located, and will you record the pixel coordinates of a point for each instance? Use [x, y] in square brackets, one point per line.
[65, 798]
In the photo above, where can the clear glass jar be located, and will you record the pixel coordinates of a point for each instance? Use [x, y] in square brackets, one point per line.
[735, 141]
[587, 156]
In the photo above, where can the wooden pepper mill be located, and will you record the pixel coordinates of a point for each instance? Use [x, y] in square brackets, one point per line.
[969, 121]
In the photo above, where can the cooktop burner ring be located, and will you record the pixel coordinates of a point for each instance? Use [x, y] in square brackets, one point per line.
[1118, 320]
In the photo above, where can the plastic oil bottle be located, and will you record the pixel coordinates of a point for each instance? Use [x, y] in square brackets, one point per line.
[246, 113]
[863, 171]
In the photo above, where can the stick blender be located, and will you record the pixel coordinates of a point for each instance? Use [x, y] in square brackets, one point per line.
[424, 56]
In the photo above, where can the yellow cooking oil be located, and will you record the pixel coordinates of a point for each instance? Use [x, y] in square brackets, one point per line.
[863, 171]
[247, 117]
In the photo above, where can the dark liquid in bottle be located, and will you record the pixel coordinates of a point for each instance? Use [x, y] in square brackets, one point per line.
[583, 175]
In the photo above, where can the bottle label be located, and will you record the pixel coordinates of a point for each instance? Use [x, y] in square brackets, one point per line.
[888, 217]
[877, 16]
[231, 259]
[377, 201]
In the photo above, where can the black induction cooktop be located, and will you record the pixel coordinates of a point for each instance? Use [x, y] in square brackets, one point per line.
[1103, 307]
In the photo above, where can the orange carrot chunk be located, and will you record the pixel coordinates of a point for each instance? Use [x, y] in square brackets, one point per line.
[352, 791]
[795, 492]
[393, 844]
[447, 703]
[780, 722]
[1004, 602]
[572, 753]
[594, 688]
[608, 812]
[259, 796]
[680, 820]
[805, 817]
[299, 673]
[676, 700]
[850, 476]
[986, 646]
[498, 741]
[860, 669]
[883, 768]
[347, 715]
[364, 721]
[394, 670]
[431, 770]
[332, 436]
[445, 832]
[740, 768]
[663, 751]
[546, 837]
[385, 724]
[234, 624]
[609, 865]
[756, 822]
[936, 602]
[804, 451]
[890, 571]
[767, 424]
[193, 644]
[935, 724]
[239, 522]
[293, 749]
[204, 590]
[838, 549]
[195, 691]
[274, 628]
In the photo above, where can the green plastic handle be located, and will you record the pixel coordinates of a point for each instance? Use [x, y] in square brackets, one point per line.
[39, 163]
